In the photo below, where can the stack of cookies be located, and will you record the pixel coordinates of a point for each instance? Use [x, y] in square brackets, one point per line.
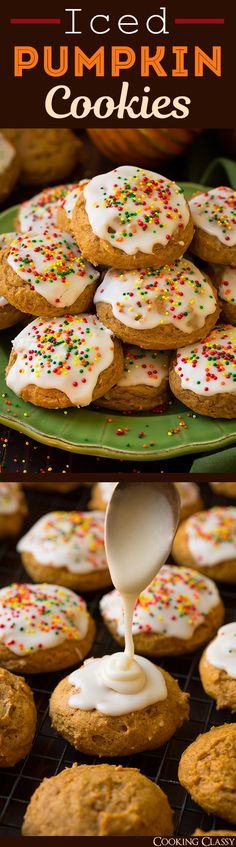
[101, 266]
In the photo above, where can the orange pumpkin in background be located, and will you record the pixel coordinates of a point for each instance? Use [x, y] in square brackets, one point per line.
[142, 146]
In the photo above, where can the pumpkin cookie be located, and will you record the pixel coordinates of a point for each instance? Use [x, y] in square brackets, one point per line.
[8, 314]
[207, 541]
[214, 832]
[214, 217]
[160, 309]
[66, 208]
[62, 487]
[218, 668]
[94, 731]
[203, 375]
[144, 383]
[43, 628]
[64, 362]
[224, 277]
[208, 771]
[47, 155]
[132, 218]
[17, 719]
[190, 498]
[67, 548]
[9, 168]
[228, 489]
[101, 494]
[176, 614]
[98, 800]
[13, 509]
[46, 275]
[40, 212]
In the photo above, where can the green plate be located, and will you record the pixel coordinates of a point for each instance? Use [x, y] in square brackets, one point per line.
[135, 437]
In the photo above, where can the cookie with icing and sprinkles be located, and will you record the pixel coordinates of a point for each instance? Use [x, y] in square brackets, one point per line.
[224, 278]
[207, 541]
[45, 274]
[8, 314]
[144, 383]
[214, 218]
[178, 612]
[203, 375]
[132, 218]
[42, 628]
[40, 212]
[68, 361]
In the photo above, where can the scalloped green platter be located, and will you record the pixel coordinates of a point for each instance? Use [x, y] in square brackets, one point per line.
[133, 437]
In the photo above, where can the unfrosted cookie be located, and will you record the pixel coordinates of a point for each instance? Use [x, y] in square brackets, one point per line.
[43, 628]
[8, 314]
[214, 832]
[207, 541]
[17, 719]
[228, 489]
[47, 155]
[208, 771]
[176, 614]
[64, 362]
[67, 548]
[9, 167]
[203, 375]
[105, 800]
[101, 494]
[94, 732]
[214, 217]
[190, 498]
[144, 383]
[159, 309]
[13, 509]
[218, 668]
[46, 275]
[40, 212]
[66, 208]
[224, 278]
[132, 218]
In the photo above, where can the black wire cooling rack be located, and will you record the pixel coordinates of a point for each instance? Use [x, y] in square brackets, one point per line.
[50, 754]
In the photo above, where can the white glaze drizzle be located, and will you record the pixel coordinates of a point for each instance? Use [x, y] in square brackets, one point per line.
[72, 540]
[212, 535]
[221, 652]
[215, 213]
[94, 681]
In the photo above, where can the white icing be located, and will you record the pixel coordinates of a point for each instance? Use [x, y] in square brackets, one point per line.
[226, 278]
[189, 492]
[133, 209]
[144, 367]
[221, 653]
[209, 367]
[72, 197]
[73, 540]
[45, 358]
[95, 691]
[215, 213]
[40, 616]
[212, 535]
[52, 265]
[6, 238]
[176, 295]
[175, 604]
[10, 498]
[7, 153]
[40, 212]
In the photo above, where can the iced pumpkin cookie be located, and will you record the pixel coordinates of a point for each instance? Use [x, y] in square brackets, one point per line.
[176, 614]
[101, 494]
[132, 218]
[13, 509]
[159, 309]
[98, 800]
[203, 375]
[40, 212]
[67, 548]
[208, 771]
[228, 489]
[214, 217]
[144, 383]
[190, 498]
[17, 719]
[218, 668]
[98, 720]
[47, 155]
[207, 541]
[8, 314]
[66, 208]
[9, 167]
[46, 275]
[64, 362]
[43, 628]
[224, 277]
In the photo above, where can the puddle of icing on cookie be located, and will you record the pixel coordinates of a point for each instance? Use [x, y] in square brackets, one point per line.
[175, 603]
[188, 492]
[37, 617]
[66, 353]
[215, 212]
[73, 540]
[94, 692]
[133, 209]
[52, 265]
[212, 535]
[221, 653]
[10, 497]
[144, 367]
[176, 294]
[40, 212]
[209, 367]
[7, 153]
[71, 198]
